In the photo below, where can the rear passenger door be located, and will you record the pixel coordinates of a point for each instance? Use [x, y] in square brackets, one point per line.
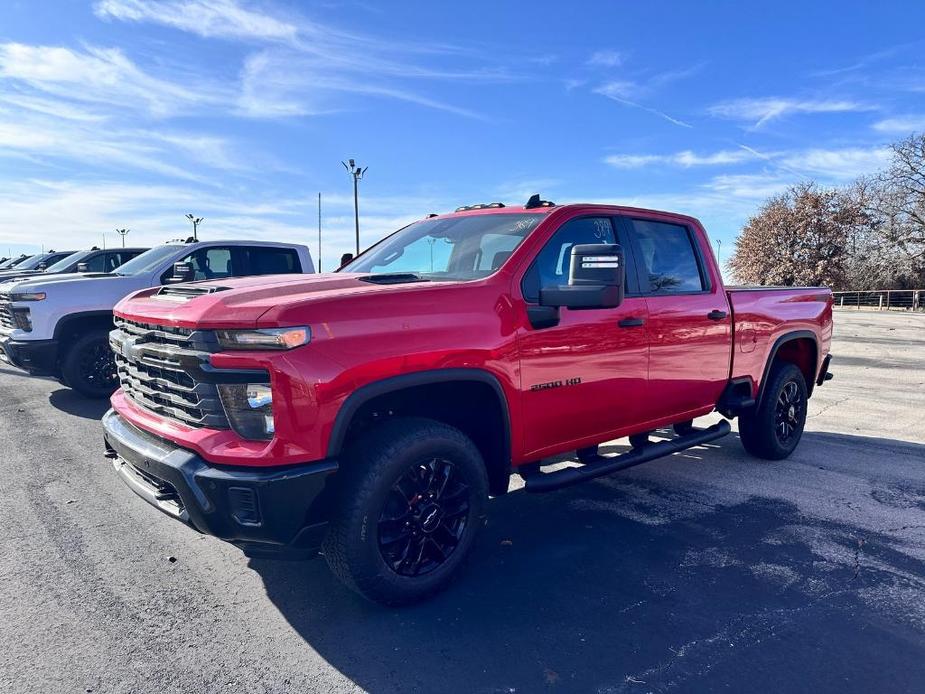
[690, 343]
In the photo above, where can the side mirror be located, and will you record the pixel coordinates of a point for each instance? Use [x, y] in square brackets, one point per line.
[83, 267]
[346, 258]
[182, 272]
[595, 279]
[41, 267]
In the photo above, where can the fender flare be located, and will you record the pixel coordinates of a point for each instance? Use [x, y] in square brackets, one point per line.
[772, 355]
[418, 378]
[77, 317]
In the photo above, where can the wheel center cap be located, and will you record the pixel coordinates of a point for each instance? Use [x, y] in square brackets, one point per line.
[792, 412]
[431, 517]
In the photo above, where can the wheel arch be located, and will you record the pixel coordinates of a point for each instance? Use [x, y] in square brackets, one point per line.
[78, 323]
[799, 347]
[472, 400]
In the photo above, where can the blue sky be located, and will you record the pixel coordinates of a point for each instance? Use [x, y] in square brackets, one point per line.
[127, 113]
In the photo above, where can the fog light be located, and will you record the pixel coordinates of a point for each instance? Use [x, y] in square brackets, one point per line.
[249, 408]
[22, 319]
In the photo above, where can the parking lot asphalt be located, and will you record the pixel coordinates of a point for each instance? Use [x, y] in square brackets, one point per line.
[706, 571]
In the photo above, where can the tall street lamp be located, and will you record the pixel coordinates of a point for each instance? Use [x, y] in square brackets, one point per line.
[122, 233]
[195, 222]
[356, 173]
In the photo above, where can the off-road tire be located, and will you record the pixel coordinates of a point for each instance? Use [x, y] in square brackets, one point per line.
[369, 473]
[77, 373]
[761, 430]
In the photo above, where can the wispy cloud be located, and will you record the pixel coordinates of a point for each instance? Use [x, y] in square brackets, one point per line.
[760, 111]
[177, 155]
[606, 58]
[100, 76]
[305, 64]
[285, 84]
[901, 125]
[838, 164]
[634, 92]
[615, 91]
[868, 59]
[685, 159]
[208, 18]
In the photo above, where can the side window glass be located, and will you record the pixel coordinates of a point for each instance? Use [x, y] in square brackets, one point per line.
[272, 261]
[113, 260]
[551, 265]
[97, 263]
[209, 263]
[667, 257]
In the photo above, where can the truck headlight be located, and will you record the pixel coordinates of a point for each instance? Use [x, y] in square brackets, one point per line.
[264, 338]
[249, 408]
[27, 296]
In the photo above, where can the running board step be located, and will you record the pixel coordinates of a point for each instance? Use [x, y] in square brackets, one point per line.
[605, 465]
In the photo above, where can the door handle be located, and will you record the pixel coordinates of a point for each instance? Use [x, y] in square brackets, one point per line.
[716, 315]
[631, 323]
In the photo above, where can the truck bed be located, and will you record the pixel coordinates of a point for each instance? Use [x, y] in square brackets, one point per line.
[763, 314]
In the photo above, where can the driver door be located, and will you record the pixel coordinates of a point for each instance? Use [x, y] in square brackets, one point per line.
[586, 377]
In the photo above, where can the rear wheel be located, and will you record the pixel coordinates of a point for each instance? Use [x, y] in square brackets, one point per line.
[773, 430]
[412, 498]
[89, 366]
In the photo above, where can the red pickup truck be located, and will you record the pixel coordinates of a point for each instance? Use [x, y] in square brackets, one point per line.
[369, 413]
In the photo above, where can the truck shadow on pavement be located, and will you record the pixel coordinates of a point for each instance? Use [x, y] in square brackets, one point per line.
[73, 403]
[642, 582]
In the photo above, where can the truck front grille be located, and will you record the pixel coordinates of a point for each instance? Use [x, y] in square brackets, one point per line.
[6, 313]
[158, 366]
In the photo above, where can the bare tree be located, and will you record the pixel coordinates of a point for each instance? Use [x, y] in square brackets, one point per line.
[897, 208]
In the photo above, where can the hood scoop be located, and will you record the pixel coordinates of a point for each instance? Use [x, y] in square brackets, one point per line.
[185, 292]
[393, 278]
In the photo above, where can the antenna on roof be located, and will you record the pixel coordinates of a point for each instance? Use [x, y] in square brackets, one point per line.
[535, 201]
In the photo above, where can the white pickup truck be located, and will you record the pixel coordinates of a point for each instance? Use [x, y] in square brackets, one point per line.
[59, 326]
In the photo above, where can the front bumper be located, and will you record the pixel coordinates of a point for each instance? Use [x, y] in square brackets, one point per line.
[262, 510]
[39, 357]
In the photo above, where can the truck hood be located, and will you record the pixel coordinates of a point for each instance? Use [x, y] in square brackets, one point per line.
[43, 281]
[247, 301]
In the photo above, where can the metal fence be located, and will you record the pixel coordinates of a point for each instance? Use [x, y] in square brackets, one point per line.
[882, 300]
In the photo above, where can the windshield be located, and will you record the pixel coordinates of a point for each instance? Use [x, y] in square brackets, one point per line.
[32, 263]
[454, 248]
[66, 261]
[148, 261]
[14, 262]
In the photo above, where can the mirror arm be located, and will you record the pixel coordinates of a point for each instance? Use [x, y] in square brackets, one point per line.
[543, 316]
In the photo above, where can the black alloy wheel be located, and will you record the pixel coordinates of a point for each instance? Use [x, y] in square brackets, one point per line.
[424, 518]
[788, 412]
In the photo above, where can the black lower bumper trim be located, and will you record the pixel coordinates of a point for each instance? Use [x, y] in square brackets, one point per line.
[39, 357]
[274, 509]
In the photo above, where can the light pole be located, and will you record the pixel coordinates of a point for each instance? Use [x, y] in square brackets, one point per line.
[356, 173]
[319, 232]
[195, 222]
[719, 248]
[122, 233]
